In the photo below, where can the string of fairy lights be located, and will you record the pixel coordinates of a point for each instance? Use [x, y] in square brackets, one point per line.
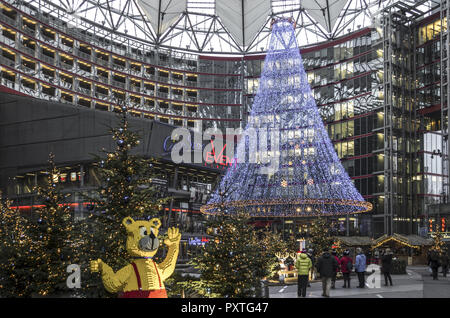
[308, 179]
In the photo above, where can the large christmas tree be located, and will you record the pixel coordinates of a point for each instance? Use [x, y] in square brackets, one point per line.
[125, 190]
[286, 162]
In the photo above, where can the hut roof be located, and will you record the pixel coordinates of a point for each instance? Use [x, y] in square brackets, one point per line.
[355, 240]
[411, 240]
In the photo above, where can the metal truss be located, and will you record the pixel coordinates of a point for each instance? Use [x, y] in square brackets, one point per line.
[198, 28]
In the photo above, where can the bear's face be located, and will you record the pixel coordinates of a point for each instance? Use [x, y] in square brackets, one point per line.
[142, 236]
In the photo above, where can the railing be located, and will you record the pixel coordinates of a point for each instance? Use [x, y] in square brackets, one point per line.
[102, 96]
[66, 47]
[8, 20]
[161, 79]
[134, 72]
[7, 62]
[149, 92]
[163, 95]
[9, 83]
[117, 84]
[83, 55]
[177, 81]
[191, 83]
[65, 84]
[28, 30]
[84, 90]
[66, 65]
[101, 61]
[26, 49]
[190, 99]
[7, 40]
[46, 58]
[101, 79]
[150, 76]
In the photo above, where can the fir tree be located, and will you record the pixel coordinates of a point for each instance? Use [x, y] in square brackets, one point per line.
[233, 262]
[438, 243]
[15, 253]
[125, 190]
[320, 236]
[54, 239]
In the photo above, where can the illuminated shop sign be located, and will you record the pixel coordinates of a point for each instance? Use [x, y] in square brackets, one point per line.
[214, 158]
[196, 241]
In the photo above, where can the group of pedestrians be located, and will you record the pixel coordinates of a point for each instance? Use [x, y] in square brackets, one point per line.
[438, 259]
[329, 265]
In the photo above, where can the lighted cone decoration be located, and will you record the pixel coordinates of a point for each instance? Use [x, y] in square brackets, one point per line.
[286, 164]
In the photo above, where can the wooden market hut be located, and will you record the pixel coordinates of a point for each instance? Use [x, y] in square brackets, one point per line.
[352, 242]
[411, 248]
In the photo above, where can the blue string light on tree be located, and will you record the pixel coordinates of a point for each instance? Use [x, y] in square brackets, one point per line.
[309, 179]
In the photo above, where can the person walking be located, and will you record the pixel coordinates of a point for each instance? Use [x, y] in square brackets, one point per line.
[333, 279]
[360, 266]
[303, 265]
[326, 267]
[346, 268]
[444, 262]
[386, 266]
[433, 262]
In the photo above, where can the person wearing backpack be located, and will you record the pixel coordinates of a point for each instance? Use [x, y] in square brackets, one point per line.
[346, 268]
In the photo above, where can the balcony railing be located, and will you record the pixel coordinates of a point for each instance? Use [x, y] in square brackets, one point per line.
[7, 61]
[84, 90]
[191, 83]
[8, 83]
[26, 49]
[46, 58]
[82, 55]
[190, 99]
[28, 30]
[65, 65]
[163, 95]
[101, 79]
[117, 84]
[66, 85]
[8, 20]
[102, 96]
[102, 62]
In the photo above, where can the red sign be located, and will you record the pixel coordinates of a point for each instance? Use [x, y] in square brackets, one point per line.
[220, 159]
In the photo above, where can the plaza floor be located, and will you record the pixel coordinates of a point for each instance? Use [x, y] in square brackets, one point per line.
[416, 284]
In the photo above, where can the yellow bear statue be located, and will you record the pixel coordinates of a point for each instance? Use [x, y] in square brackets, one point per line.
[143, 278]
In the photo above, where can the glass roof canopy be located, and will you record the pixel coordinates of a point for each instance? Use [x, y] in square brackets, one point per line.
[221, 26]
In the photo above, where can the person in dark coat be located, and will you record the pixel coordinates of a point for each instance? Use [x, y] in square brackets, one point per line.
[386, 266]
[346, 268]
[433, 262]
[333, 279]
[313, 261]
[326, 266]
[444, 262]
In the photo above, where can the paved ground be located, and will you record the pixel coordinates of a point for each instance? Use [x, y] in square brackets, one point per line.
[416, 284]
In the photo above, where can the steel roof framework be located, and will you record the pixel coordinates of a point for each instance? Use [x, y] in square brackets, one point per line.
[198, 28]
